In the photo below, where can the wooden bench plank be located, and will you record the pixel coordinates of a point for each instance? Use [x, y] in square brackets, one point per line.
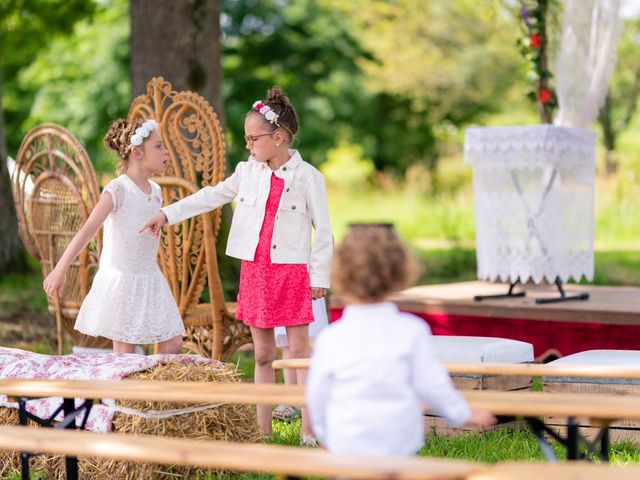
[596, 406]
[192, 392]
[284, 460]
[244, 457]
[533, 404]
[512, 369]
[557, 471]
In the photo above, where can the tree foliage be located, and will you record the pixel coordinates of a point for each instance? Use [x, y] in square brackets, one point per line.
[378, 74]
[383, 75]
[82, 79]
[453, 59]
[26, 27]
[624, 90]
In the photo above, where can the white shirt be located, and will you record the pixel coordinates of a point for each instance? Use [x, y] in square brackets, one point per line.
[303, 204]
[370, 372]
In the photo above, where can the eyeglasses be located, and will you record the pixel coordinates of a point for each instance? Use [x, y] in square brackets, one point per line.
[251, 139]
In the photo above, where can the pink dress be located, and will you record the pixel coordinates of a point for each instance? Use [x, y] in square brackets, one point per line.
[273, 294]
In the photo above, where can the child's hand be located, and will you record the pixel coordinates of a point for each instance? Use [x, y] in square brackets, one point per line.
[317, 292]
[155, 224]
[482, 417]
[54, 283]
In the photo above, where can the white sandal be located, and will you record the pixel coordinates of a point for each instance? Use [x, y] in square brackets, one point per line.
[309, 441]
[286, 413]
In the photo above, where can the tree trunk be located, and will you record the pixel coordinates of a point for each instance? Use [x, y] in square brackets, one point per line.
[609, 136]
[179, 41]
[10, 244]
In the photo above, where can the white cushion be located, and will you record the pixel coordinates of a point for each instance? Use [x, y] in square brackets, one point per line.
[615, 358]
[618, 358]
[462, 349]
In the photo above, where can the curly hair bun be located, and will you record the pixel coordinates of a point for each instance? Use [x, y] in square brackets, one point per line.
[288, 118]
[276, 96]
[118, 139]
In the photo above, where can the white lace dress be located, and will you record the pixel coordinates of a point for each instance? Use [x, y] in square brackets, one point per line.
[130, 300]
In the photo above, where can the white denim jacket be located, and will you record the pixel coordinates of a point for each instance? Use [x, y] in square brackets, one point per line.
[303, 204]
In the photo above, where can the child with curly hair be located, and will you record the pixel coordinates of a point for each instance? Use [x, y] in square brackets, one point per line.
[371, 370]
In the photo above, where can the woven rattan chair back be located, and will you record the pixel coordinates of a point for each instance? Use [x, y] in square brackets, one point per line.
[54, 188]
[195, 141]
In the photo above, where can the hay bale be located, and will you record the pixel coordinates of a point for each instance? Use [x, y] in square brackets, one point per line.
[10, 459]
[233, 422]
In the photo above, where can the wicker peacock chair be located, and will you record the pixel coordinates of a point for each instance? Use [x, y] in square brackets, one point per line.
[54, 189]
[194, 138]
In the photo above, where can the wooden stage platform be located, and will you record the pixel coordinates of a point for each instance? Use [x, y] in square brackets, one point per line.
[609, 319]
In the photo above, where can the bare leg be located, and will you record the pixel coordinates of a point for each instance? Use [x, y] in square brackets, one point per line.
[122, 347]
[173, 345]
[289, 374]
[300, 347]
[264, 345]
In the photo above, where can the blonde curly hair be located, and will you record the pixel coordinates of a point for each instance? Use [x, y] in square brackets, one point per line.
[118, 139]
[371, 262]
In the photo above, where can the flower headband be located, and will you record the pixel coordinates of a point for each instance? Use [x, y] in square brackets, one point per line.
[143, 132]
[269, 114]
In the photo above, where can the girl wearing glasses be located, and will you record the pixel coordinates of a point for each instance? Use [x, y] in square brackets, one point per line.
[279, 198]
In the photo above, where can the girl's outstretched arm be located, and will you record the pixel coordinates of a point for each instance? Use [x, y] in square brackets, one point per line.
[155, 224]
[54, 283]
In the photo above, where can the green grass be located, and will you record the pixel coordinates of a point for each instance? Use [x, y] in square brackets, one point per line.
[449, 218]
[417, 217]
[22, 291]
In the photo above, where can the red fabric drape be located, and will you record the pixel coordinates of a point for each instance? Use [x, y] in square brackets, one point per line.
[547, 337]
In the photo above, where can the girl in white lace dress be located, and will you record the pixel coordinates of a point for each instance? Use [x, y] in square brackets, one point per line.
[130, 301]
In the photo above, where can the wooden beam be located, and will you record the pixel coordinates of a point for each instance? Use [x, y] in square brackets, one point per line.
[246, 457]
[512, 369]
[595, 406]
[557, 471]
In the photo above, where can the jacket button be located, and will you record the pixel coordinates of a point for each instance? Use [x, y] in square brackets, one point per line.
[287, 190]
[293, 207]
[242, 199]
[284, 169]
[274, 247]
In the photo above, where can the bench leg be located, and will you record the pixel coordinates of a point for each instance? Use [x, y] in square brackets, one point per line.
[24, 456]
[604, 444]
[68, 421]
[573, 439]
[578, 447]
[539, 428]
[71, 463]
[24, 464]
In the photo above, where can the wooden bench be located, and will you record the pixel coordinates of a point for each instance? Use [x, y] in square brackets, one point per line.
[600, 408]
[556, 471]
[289, 461]
[597, 406]
[628, 385]
[245, 457]
[512, 369]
